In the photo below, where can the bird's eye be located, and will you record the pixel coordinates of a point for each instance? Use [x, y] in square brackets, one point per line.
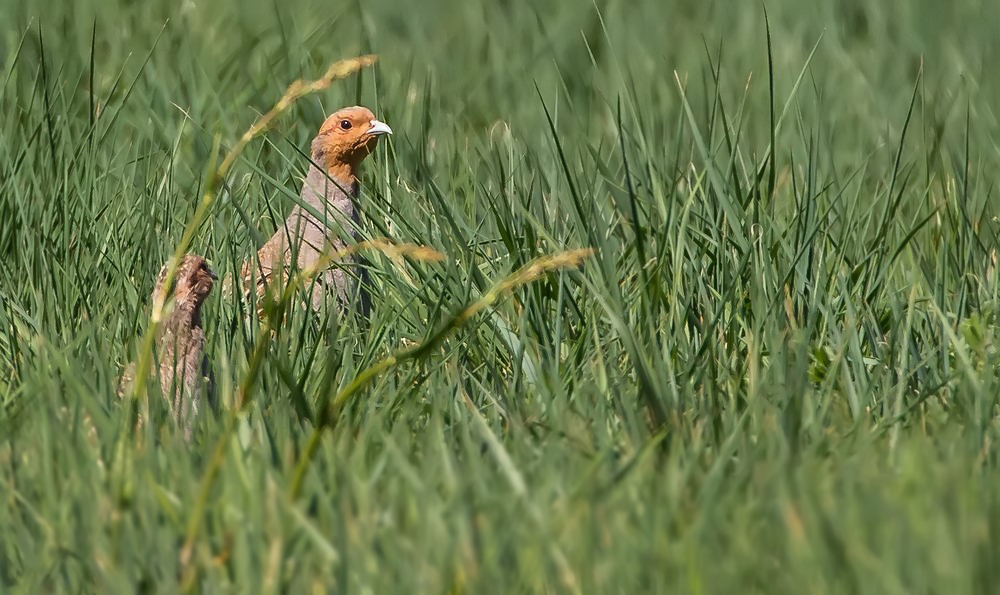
[345, 124]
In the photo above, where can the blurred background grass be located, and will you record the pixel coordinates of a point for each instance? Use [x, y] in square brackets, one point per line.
[776, 375]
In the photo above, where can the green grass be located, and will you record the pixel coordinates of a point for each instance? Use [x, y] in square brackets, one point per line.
[776, 374]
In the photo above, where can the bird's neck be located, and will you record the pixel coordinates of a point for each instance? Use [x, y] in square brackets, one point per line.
[345, 174]
[184, 315]
[326, 189]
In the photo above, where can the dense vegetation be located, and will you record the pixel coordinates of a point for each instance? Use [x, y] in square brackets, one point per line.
[776, 372]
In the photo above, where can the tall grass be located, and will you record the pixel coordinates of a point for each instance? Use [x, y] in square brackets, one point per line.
[763, 357]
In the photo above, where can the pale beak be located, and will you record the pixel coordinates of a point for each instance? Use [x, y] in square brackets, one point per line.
[376, 128]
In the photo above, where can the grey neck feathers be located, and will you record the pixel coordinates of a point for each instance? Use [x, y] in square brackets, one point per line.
[332, 198]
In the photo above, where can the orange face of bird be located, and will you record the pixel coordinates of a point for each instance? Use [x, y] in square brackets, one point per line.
[346, 138]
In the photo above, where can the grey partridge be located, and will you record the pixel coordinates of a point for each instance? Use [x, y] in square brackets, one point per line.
[330, 188]
[184, 371]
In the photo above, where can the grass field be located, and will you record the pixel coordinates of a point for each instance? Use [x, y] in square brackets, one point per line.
[776, 373]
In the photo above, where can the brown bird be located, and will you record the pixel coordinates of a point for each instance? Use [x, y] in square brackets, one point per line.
[330, 188]
[180, 340]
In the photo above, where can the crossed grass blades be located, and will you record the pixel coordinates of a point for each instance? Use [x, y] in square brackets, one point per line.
[274, 307]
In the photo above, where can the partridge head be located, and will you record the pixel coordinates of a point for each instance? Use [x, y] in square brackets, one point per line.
[346, 137]
[192, 283]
